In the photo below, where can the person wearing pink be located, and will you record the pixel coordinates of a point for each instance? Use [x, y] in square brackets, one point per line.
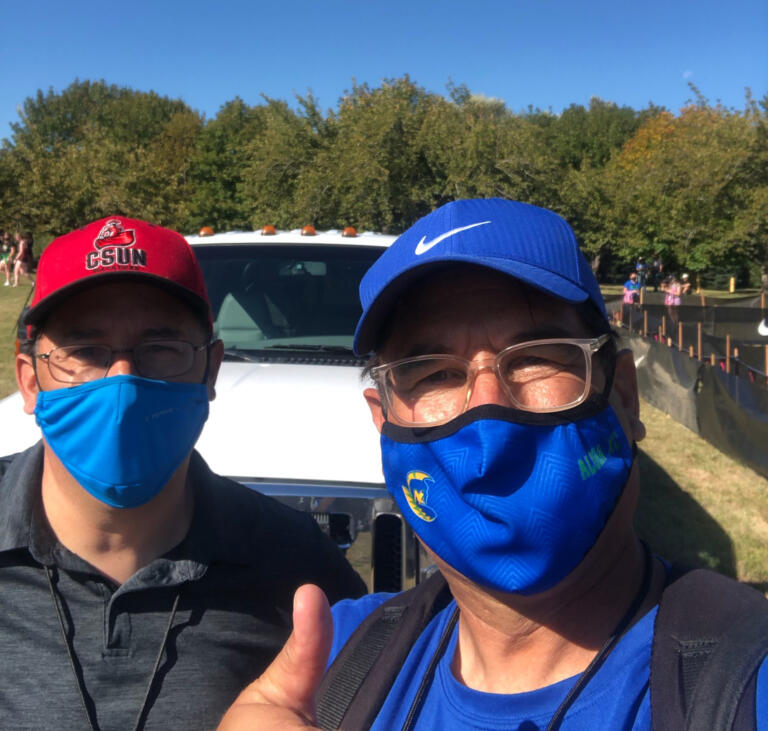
[631, 289]
[672, 298]
[631, 296]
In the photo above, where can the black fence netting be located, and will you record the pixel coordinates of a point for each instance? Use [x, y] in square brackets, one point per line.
[728, 410]
[667, 379]
[743, 325]
[733, 415]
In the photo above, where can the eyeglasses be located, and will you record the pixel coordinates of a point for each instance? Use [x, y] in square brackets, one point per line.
[158, 359]
[540, 376]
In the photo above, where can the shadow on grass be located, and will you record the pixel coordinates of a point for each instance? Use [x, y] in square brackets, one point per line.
[676, 527]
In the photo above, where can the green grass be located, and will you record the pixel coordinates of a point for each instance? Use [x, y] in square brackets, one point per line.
[696, 505]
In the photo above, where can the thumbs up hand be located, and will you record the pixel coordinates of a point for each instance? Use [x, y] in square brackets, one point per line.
[284, 695]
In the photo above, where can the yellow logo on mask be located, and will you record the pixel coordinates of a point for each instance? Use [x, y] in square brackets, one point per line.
[417, 497]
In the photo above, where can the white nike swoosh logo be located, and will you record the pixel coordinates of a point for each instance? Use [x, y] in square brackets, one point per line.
[762, 328]
[422, 247]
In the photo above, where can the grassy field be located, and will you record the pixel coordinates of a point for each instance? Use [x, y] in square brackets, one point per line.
[696, 504]
[699, 506]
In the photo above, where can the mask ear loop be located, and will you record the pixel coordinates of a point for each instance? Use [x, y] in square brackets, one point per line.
[610, 371]
[206, 372]
[34, 360]
[204, 382]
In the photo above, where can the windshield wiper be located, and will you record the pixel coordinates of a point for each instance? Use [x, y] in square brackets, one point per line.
[313, 347]
[238, 354]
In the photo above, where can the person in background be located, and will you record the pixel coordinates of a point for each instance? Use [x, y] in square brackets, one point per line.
[685, 284]
[672, 289]
[657, 271]
[25, 258]
[130, 573]
[7, 256]
[642, 272]
[631, 296]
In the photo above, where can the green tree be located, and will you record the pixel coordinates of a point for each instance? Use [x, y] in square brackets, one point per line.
[218, 166]
[693, 187]
[367, 171]
[95, 149]
[286, 145]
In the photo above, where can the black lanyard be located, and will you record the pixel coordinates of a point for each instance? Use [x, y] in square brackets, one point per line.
[580, 684]
[73, 663]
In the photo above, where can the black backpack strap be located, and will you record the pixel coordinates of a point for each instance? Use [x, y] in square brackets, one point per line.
[709, 638]
[722, 683]
[356, 684]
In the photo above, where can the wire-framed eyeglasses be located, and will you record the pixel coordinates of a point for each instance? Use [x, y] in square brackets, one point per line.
[158, 359]
[539, 376]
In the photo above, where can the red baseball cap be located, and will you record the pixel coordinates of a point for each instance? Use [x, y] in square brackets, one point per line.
[116, 249]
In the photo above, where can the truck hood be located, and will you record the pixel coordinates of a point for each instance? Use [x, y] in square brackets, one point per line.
[268, 421]
[291, 422]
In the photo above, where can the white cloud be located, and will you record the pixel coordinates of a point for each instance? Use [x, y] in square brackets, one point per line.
[687, 74]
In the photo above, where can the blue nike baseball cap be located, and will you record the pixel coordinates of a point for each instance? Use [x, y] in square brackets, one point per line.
[526, 242]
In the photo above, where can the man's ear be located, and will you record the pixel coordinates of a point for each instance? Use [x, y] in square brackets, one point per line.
[215, 356]
[26, 379]
[376, 407]
[625, 387]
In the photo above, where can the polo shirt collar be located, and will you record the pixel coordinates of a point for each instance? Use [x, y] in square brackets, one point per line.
[210, 537]
[20, 502]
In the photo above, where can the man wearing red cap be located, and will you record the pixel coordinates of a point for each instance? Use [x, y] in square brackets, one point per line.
[128, 570]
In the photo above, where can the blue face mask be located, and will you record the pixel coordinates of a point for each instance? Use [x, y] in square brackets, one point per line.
[123, 437]
[512, 506]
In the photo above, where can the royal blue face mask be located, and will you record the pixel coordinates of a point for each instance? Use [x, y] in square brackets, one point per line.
[123, 437]
[512, 506]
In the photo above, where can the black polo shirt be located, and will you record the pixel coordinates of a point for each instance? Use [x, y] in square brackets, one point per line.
[235, 574]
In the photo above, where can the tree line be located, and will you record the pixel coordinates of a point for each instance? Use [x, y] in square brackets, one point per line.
[692, 186]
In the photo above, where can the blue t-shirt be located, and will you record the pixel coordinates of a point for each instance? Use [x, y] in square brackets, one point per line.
[617, 697]
[629, 284]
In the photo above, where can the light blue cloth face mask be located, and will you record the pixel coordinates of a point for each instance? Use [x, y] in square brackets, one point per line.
[512, 506]
[123, 437]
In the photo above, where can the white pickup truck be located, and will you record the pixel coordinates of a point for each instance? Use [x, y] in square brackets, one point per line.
[289, 418]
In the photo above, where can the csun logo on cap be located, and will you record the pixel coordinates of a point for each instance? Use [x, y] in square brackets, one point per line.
[112, 248]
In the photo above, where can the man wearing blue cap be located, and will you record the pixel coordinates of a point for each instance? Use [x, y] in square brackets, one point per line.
[508, 428]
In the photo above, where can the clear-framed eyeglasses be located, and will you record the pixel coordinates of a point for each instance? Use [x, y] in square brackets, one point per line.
[539, 376]
[158, 359]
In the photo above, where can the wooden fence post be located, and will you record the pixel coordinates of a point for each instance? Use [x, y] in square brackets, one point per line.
[690, 351]
[664, 325]
[703, 300]
[645, 323]
[728, 353]
[698, 339]
[766, 365]
[712, 359]
[680, 335]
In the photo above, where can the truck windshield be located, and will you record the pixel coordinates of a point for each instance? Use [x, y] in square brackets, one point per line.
[266, 297]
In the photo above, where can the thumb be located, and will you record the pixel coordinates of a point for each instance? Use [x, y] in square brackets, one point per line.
[291, 681]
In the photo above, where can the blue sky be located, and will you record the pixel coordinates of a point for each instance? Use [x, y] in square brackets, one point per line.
[547, 53]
